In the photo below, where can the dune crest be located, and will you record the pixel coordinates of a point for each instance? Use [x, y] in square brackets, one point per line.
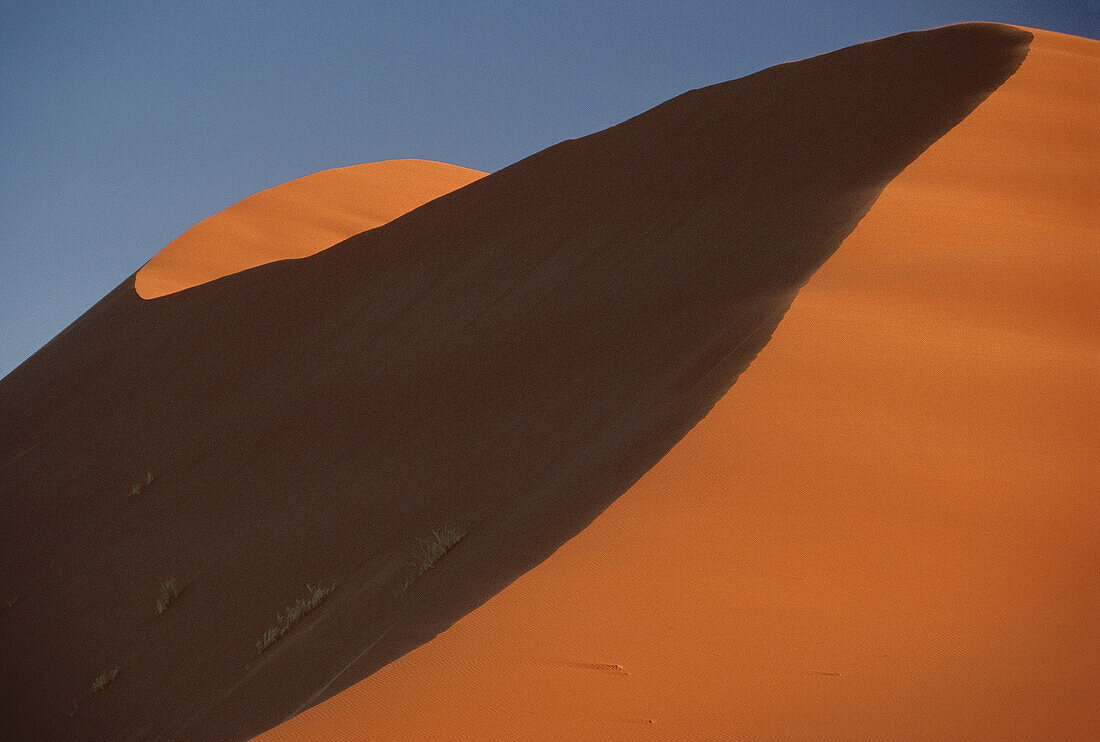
[885, 530]
[297, 219]
[497, 366]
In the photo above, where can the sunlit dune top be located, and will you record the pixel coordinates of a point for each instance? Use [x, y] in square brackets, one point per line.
[297, 219]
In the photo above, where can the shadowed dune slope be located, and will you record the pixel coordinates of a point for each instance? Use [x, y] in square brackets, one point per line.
[887, 529]
[297, 219]
[505, 360]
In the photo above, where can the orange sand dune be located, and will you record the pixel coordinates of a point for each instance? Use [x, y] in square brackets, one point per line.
[297, 219]
[887, 529]
[837, 550]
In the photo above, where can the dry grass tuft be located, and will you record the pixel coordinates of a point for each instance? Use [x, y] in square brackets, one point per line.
[169, 591]
[284, 621]
[432, 550]
[104, 680]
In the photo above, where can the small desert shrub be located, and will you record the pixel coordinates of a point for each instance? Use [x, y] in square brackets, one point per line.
[137, 488]
[104, 680]
[169, 591]
[432, 550]
[284, 621]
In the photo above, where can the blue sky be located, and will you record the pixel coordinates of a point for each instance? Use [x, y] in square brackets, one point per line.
[124, 123]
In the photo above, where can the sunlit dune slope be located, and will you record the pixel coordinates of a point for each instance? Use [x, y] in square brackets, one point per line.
[887, 529]
[297, 219]
[505, 361]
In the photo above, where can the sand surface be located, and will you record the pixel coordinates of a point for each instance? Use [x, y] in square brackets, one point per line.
[297, 219]
[887, 529]
[510, 358]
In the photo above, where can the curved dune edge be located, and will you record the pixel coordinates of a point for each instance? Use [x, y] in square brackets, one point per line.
[296, 219]
[886, 527]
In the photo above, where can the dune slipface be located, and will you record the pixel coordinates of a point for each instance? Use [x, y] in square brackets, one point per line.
[505, 361]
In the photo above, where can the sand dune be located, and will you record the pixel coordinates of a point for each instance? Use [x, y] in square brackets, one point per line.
[508, 359]
[297, 219]
[887, 529]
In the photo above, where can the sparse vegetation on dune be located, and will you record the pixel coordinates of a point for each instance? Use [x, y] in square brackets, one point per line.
[137, 488]
[284, 621]
[104, 680]
[432, 550]
[169, 591]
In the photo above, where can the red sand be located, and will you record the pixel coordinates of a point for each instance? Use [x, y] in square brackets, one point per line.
[297, 219]
[887, 529]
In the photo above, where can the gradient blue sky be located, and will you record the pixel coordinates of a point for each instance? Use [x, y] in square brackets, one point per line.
[124, 123]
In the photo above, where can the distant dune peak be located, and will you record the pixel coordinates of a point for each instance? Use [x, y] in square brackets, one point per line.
[297, 219]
